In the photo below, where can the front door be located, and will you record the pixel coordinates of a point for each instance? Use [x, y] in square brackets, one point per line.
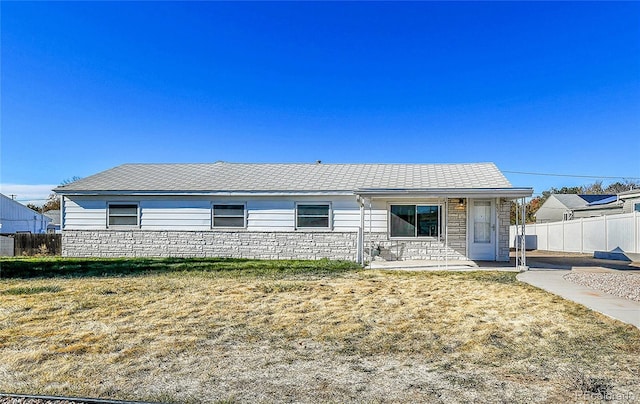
[482, 230]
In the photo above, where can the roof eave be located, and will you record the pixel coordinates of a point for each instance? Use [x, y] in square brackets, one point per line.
[368, 192]
[201, 193]
[448, 192]
[598, 207]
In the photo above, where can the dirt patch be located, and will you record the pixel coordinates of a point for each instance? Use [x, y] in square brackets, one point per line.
[366, 336]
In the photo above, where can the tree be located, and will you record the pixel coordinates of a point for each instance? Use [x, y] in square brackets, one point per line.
[531, 208]
[34, 207]
[53, 201]
[618, 187]
[594, 189]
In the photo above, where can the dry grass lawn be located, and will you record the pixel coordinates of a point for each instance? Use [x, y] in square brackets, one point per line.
[362, 336]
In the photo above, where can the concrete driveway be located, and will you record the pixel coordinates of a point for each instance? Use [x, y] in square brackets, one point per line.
[561, 260]
[547, 271]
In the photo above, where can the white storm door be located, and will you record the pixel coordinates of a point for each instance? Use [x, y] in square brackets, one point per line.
[482, 230]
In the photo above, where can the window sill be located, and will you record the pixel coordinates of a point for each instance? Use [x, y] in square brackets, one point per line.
[423, 238]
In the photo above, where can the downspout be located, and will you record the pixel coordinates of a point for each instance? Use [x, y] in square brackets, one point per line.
[446, 233]
[370, 234]
[361, 233]
[496, 231]
[61, 213]
[516, 234]
[524, 234]
[523, 238]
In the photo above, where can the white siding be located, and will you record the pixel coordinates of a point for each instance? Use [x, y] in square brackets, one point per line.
[194, 213]
[629, 205]
[375, 218]
[346, 214]
[271, 215]
[175, 215]
[84, 214]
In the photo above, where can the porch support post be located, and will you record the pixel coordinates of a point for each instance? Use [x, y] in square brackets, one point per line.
[361, 233]
[523, 247]
[370, 234]
[446, 233]
[516, 234]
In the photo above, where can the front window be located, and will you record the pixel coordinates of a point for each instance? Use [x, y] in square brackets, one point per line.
[228, 216]
[415, 221]
[121, 214]
[313, 215]
[636, 207]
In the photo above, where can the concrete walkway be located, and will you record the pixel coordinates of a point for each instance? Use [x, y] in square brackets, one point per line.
[625, 310]
[435, 265]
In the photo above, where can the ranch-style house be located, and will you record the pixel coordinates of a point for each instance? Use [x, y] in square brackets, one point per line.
[356, 212]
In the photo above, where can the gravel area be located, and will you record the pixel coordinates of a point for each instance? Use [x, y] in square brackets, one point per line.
[622, 285]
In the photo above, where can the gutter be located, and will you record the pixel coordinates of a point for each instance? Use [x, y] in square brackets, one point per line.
[368, 192]
[200, 193]
[448, 192]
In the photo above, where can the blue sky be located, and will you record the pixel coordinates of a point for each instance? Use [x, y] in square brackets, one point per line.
[534, 87]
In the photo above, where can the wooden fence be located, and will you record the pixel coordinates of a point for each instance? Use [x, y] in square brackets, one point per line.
[37, 244]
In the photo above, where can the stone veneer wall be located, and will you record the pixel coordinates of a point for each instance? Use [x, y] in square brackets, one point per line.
[504, 220]
[259, 245]
[425, 249]
[279, 245]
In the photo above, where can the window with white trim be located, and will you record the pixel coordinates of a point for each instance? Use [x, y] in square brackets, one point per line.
[228, 215]
[415, 220]
[122, 214]
[313, 215]
[636, 207]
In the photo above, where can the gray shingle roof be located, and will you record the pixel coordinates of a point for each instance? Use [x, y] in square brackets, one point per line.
[222, 176]
[573, 201]
[570, 200]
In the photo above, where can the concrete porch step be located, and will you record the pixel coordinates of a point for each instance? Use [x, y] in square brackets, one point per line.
[617, 254]
[436, 265]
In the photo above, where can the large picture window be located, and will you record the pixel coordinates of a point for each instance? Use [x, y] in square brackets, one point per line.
[313, 215]
[228, 215]
[415, 221]
[122, 214]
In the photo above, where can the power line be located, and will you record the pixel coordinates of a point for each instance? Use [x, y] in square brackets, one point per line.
[572, 175]
[31, 200]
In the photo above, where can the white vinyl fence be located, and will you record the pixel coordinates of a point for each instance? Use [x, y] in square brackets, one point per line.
[585, 235]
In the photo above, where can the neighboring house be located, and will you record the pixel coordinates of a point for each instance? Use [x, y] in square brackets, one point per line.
[603, 207]
[624, 202]
[352, 212]
[15, 217]
[54, 225]
[560, 207]
[630, 200]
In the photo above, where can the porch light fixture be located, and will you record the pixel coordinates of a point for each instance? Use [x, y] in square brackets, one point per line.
[460, 205]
